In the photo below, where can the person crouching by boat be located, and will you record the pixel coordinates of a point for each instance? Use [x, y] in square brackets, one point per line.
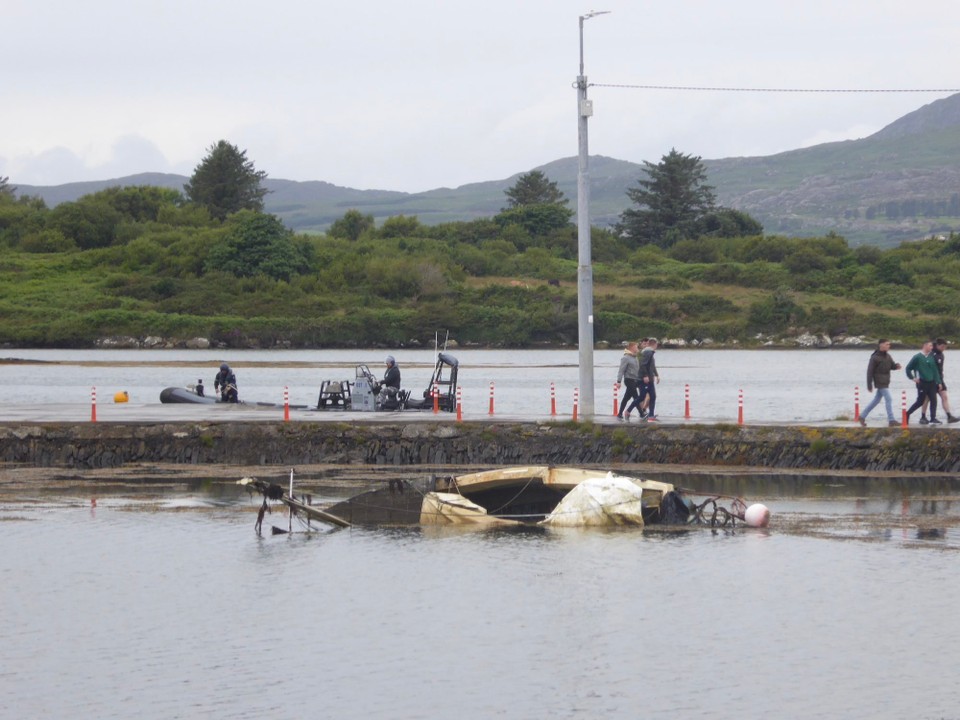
[226, 384]
[391, 378]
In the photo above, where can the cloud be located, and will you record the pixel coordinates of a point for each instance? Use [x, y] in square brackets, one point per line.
[48, 167]
[129, 155]
[420, 94]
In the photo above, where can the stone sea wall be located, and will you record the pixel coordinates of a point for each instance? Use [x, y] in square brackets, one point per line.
[418, 443]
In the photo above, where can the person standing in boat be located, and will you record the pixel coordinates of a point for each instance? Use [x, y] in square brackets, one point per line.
[391, 378]
[629, 375]
[226, 384]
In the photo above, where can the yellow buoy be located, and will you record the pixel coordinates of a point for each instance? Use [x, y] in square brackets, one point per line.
[122, 396]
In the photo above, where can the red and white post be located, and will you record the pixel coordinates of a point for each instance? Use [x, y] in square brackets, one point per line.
[740, 408]
[903, 408]
[436, 399]
[553, 400]
[93, 404]
[616, 398]
[459, 404]
[286, 403]
[490, 412]
[686, 402]
[856, 403]
[576, 403]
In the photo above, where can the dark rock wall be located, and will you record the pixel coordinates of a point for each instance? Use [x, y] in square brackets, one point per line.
[113, 445]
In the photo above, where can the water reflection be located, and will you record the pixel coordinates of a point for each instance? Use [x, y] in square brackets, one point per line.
[160, 601]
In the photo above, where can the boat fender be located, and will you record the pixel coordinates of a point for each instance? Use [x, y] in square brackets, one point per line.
[757, 515]
[121, 397]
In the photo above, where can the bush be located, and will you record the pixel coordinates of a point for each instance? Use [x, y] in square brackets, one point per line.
[258, 244]
[701, 250]
[47, 241]
[775, 313]
[90, 224]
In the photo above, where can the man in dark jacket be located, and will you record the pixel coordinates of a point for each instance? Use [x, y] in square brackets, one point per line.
[649, 377]
[226, 383]
[878, 375]
[391, 378]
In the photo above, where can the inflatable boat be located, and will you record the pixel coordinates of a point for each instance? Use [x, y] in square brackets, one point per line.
[186, 395]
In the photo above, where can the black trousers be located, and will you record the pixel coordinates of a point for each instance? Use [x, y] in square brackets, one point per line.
[648, 390]
[629, 394]
[925, 389]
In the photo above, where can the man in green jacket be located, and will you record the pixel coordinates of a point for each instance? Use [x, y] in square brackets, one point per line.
[923, 370]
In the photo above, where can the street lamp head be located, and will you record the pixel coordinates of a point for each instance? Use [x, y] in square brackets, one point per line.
[594, 13]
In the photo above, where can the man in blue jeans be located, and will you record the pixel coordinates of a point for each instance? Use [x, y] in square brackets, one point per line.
[878, 375]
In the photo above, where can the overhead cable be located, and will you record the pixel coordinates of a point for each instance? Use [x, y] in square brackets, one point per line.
[775, 90]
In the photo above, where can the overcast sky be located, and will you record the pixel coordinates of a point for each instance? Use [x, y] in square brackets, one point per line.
[418, 94]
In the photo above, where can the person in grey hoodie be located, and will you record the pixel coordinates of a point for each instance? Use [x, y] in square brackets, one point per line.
[629, 374]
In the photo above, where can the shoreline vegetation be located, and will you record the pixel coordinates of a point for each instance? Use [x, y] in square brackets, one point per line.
[143, 267]
[805, 342]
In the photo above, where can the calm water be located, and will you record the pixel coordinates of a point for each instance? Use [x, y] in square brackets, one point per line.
[778, 385]
[165, 604]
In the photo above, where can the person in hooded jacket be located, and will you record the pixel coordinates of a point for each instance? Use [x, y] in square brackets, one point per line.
[226, 384]
[878, 376]
[391, 378]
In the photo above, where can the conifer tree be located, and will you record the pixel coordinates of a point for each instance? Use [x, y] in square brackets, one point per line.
[225, 182]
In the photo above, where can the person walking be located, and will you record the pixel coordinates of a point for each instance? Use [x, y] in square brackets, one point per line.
[649, 377]
[878, 375]
[629, 374]
[923, 370]
[939, 345]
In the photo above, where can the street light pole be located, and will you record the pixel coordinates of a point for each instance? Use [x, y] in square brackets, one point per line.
[584, 250]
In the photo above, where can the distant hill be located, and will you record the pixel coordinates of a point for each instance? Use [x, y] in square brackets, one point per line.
[900, 183]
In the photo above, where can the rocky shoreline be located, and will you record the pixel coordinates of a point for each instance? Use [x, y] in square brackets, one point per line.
[801, 340]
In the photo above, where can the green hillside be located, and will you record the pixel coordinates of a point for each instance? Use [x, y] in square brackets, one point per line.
[140, 265]
[901, 183]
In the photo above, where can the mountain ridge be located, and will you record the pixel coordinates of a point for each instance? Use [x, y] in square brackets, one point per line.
[868, 190]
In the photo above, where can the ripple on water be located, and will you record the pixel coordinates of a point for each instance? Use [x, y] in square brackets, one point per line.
[173, 607]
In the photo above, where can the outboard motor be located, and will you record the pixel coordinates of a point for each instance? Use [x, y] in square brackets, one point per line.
[389, 398]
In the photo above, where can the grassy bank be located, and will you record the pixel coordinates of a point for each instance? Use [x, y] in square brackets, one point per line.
[107, 266]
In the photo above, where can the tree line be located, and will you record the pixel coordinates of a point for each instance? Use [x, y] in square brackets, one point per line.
[151, 261]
